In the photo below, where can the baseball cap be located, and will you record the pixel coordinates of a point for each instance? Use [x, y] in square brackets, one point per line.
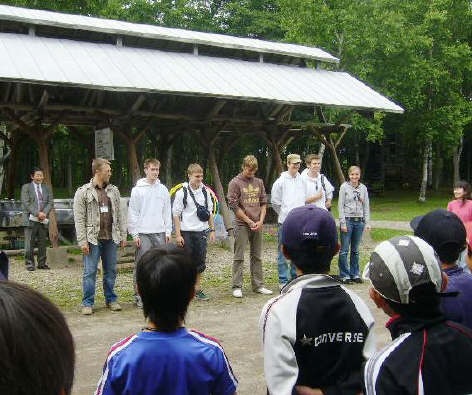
[444, 231]
[309, 223]
[400, 264]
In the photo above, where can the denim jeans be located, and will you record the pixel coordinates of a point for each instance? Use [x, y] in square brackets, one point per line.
[352, 238]
[106, 249]
[285, 268]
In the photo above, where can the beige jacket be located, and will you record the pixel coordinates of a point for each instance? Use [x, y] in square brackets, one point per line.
[87, 214]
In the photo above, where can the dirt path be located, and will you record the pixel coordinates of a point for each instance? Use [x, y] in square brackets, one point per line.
[233, 322]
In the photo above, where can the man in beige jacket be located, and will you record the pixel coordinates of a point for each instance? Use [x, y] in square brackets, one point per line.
[100, 228]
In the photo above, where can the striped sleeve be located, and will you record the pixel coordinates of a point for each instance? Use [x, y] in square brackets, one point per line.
[104, 386]
[377, 379]
[225, 382]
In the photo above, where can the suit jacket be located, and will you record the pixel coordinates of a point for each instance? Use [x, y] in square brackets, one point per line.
[29, 200]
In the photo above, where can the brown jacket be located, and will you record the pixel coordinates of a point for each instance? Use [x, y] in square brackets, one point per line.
[248, 194]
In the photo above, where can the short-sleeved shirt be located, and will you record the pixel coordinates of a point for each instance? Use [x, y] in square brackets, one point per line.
[180, 362]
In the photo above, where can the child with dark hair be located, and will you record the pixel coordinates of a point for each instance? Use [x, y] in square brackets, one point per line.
[428, 355]
[165, 357]
[317, 332]
[445, 232]
[36, 347]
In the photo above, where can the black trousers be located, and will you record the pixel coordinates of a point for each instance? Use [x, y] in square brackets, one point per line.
[196, 245]
[35, 233]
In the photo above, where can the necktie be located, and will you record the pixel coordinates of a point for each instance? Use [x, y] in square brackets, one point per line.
[40, 198]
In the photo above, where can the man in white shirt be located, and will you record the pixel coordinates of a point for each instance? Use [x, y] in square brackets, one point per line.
[149, 214]
[289, 191]
[320, 190]
[193, 229]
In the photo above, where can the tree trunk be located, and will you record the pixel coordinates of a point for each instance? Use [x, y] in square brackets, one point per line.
[321, 150]
[268, 169]
[44, 163]
[133, 162]
[337, 165]
[456, 159]
[215, 175]
[424, 178]
[169, 155]
[438, 174]
[430, 163]
[11, 170]
[277, 159]
[69, 172]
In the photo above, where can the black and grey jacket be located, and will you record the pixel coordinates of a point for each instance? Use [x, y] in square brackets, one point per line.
[316, 333]
[425, 357]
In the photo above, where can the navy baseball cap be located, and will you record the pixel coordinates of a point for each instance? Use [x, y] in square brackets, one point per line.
[309, 223]
[443, 230]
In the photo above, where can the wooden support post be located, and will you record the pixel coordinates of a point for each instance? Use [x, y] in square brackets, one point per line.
[211, 137]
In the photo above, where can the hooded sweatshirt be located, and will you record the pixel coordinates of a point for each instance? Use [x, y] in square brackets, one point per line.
[353, 202]
[189, 218]
[288, 193]
[149, 209]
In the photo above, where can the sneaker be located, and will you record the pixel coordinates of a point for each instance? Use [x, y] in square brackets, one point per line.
[237, 293]
[345, 280]
[114, 306]
[44, 267]
[201, 296]
[139, 303]
[87, 310]
[263, 291]
[357, 280]
[30, 268]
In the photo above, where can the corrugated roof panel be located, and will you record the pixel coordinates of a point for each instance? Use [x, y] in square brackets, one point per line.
[40, 17]
[105, 66]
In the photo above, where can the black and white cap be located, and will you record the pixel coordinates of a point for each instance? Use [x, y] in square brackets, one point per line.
[398, 265]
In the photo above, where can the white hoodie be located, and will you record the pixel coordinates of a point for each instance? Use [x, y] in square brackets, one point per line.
[287, 193]
[189, 220]
[149, 209]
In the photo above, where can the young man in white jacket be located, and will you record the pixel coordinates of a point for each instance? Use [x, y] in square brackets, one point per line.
[288, 192]
[192, 232]
[149, 214]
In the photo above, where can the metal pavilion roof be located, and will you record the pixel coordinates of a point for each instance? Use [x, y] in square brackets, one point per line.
[64, 62]
[49, 18]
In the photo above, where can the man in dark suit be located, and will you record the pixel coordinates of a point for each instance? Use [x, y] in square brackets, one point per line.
[37, 202]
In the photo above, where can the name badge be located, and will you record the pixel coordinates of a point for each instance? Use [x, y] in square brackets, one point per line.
[103, 209]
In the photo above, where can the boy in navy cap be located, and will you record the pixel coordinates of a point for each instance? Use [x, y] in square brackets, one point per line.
[317, 332]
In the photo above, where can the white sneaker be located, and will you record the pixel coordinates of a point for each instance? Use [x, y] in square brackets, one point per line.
[263, 291]
[237, 293]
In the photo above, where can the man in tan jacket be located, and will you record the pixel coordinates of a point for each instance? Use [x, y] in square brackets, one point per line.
[248, 199]
[100, 228]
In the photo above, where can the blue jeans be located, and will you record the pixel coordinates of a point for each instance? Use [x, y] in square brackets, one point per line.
[351, 238]
[106, 249]
[285, 268]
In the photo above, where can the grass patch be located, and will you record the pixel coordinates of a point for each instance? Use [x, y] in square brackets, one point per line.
[379, 234]
[402, 206]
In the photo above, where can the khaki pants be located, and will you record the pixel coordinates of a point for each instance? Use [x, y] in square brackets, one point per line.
[242, 235]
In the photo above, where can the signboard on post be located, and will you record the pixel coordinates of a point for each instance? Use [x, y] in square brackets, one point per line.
[104, 144]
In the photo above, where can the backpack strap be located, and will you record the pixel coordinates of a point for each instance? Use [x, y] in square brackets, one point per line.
[205, 195]
[184, 200]
[323, 184]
